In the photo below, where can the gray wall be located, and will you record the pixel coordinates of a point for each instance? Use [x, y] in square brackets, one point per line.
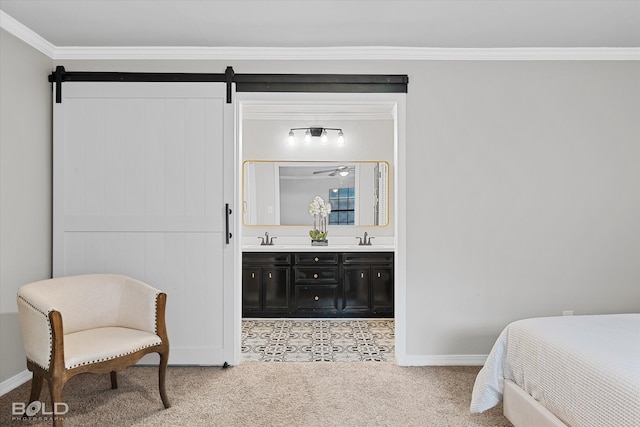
[523, 194]
[525, 183]
[25, 185]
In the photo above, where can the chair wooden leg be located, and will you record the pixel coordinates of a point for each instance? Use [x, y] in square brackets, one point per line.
[162, 374]
[114, 380]
[55, 390]
[36, 387]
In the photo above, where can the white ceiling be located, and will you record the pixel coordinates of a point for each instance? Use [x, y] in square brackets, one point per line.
[326, 23]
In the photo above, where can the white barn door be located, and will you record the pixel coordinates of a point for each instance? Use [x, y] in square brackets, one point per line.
[142, 174]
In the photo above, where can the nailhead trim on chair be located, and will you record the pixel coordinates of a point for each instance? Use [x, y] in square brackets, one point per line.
[112, 357]
[46, 315]
[155, 314]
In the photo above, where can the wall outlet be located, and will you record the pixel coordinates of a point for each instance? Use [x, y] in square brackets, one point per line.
[567, 313]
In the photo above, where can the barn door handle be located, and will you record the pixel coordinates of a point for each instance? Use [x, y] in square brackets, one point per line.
[227, 213]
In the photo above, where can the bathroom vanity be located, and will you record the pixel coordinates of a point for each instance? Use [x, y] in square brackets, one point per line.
[353, 276]
[317, 282]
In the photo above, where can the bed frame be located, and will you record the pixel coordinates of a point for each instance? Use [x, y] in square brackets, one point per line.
[524, 411]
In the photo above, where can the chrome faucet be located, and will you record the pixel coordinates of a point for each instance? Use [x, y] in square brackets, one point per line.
[266, 240]
[364, 241]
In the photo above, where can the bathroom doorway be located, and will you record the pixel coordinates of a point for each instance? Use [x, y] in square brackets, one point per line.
[263, 125]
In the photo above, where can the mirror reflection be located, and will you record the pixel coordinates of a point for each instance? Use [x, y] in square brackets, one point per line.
[279, 192]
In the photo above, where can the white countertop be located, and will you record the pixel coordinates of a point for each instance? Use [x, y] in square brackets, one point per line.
[309, 248]
[284, 243]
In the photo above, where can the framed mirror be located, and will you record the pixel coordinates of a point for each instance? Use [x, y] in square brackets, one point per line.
[279, 192]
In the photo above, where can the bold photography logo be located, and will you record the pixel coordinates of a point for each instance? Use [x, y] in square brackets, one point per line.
[38, 409]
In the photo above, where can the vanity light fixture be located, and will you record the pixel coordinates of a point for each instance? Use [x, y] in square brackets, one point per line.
[315, 132]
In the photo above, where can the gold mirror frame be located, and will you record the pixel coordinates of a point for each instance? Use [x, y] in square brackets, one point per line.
[321, 163]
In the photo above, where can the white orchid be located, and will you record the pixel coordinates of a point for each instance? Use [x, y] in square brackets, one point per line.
[320, 211]
[317, 206]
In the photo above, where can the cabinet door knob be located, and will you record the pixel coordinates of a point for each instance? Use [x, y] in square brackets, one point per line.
[316, 259]
[378, 274]
[316, 298]
[253, 275]
[315, 275]
[269, 275]
[362, 274]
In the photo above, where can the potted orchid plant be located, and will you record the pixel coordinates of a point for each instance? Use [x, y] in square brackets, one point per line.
[320, 211]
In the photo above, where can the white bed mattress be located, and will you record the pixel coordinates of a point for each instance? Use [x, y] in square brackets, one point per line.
[584, 369]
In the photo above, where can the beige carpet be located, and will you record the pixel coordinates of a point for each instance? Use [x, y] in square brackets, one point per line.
[272, 394]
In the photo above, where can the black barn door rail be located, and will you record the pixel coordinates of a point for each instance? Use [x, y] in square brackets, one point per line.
[347, 83]
[344, 83]
[61, 75]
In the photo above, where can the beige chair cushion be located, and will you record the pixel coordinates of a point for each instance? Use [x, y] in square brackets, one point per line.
[100, 344]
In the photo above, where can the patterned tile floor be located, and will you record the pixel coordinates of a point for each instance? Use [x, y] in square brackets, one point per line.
[316, 340]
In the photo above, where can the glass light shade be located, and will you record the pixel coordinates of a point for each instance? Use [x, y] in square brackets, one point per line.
[307, 136]
[344, 173]
[340, 138]
[323, 137]
[291, 140]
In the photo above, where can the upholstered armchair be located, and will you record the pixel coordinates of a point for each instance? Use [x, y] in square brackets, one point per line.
[94, 323]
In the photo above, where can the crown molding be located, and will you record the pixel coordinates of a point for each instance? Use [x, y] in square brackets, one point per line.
[381, 53]
[26, 35]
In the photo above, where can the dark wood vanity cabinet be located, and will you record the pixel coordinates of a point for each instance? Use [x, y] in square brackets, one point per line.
[265, 284]
[368, 283]
[317, 284]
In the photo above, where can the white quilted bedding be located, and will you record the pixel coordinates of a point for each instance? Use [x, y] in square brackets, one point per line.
[584, 369]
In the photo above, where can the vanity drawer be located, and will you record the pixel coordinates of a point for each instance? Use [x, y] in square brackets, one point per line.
[266, 258]
[316, 258]
[316, 274]
[314, 297]
[368, 258]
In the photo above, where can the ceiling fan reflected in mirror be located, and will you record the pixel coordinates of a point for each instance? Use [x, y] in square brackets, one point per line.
[342, 170]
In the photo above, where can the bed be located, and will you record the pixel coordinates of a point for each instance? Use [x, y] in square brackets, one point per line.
[577, 371]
